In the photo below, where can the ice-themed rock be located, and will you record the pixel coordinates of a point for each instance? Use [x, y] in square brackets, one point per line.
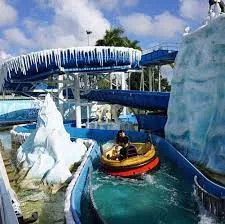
[48, 153]
[196, 115]
[217, 8]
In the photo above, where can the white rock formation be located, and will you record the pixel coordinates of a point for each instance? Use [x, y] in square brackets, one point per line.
[48, 153]
[196, 115]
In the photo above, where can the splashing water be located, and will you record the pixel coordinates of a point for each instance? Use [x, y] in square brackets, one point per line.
[162, 197]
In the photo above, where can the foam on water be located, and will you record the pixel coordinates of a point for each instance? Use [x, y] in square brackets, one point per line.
[157, 197]
[206, 217]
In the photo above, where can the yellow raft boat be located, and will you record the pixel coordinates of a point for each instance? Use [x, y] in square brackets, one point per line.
[144, 160]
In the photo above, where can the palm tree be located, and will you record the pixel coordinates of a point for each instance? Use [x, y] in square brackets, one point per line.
[115, 37]
[132, 43]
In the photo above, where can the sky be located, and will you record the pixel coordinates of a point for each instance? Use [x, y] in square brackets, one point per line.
[33, 25]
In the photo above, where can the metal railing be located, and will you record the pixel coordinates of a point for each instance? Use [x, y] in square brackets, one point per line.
[162, 46]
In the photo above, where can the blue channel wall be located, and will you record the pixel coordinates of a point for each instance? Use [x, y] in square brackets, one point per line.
[82, 182]
[187, 167]
[13, 111]
[18, 110]
[161, 144]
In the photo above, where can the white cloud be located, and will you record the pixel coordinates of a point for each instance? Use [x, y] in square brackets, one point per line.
[108, 4]
[8, 14]
[4, 45]
[164, 25]
[4, 56]
[193, 9]
[115, 4]
[70, 22]
[16, 36]
[130, 2]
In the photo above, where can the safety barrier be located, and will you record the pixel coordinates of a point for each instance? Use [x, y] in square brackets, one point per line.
[77, 190]
[213, 204]
[163, 46]
[206, 188]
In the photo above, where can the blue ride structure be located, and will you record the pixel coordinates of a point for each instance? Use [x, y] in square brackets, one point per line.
[132, 98]
[162, 54]
[40, 65]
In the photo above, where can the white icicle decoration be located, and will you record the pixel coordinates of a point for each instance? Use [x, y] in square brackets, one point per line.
[60, 56]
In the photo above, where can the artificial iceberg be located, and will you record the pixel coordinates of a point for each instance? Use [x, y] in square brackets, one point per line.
[48, 153]
[196, 115]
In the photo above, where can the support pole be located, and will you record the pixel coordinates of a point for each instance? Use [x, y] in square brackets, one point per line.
[143, 87]
[129, 75]
[85, 83]
[88, 115]
[123, 87]
[123, 81]
[117, 86]
[96, 81]
[111, 80]
[142, 79]
[77, 100]
[159, 79]
[150, 78]
[67, 90]
[60, 94]
[153, 79]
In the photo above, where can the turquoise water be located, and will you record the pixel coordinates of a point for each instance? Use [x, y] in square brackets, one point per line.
[162, 197]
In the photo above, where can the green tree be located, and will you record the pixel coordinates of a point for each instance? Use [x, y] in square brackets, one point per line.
[103, 83]
[135, 81]
[115, 37]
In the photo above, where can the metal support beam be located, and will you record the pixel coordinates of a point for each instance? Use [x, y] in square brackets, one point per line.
[150, 78]
[129, 75]
[60, 94]
[117, 84]
[111, 80]
[123, 81]
[123, 87]
[153, 79]
[159, 81]
[142, 80]
[85, 83]
[77, 100]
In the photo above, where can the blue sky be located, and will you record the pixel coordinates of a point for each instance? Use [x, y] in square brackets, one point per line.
[31, 25]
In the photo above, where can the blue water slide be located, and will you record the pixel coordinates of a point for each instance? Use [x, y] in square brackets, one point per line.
[154, 122]
[131, 98]
[162, 54]
[40, 65]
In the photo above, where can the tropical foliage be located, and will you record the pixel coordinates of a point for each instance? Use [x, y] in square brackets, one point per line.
[135, 81]
[115, 37]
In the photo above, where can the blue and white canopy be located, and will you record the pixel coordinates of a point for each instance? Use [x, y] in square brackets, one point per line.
[39, 65]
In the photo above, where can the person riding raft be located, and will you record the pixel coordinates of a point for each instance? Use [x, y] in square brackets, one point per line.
[127, 149]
